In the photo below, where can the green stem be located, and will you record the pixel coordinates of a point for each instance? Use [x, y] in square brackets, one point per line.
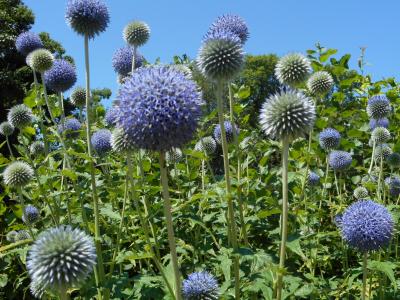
[372, 159]
[42, 129]
[284, 232]
[134, 59]
[63, 294]
[231, 223]
[170, 229]
[365, 275]
[9, 148]
[46, 98]
[61, 105]
[99, 271]
[379, 192]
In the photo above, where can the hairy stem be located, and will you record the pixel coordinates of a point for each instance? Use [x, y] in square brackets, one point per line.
[365, 275]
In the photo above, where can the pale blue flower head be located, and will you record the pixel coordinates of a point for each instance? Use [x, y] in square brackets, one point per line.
[329, 138]
[122, 60]
[101, 141]
[339, 160]
[200, 286]
[230, 23]
[28, 41]
[61, 76]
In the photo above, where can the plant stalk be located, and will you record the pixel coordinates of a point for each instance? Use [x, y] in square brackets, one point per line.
[365, 275]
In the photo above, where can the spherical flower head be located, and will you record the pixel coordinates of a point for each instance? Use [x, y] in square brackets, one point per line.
[207, 145]
[78, 97]
[230, 23]
[22, 235]
[11, 236]
[369, 179]
[393, 160]
[221, 34]
[293, 69]
[6, 128]
[159, 108]
[313, 179]
[367, 226]
[373, 123]
[230, 130]
[61, 257]
[61, 76]
[136, 33]
[40, 60]
[360, 193]
[378, 107]
[200, 285]
[122, 60]
[320, 83]
[27, 42]
[338, 220]
[287, 115]
[37, 148]
[87, 17]
[20, 116]
[339, 160]
[394, 185]
[71, 127]
[329, 139]
[31, 214]
[380, 135]
[101, 141]
[120, 142]
[111, 116]
[382, 151]
[18, 174]
[220, 60]
[174, 155]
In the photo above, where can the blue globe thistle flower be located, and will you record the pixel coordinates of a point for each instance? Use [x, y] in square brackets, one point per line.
[18, 174]
[382, 151]
[367, 226]
[87, 17]
[78, 97]
[71, 126]
[136, 33]
[338, 220]
[200, 286]
[339, 160]
[101, 141]
[6, 128]
[61, 76]
[378, 107]
[207, 145]
[28, 41]
[230, 23]
[20, 116]
[122, 60]
[60, 258]
[230, 129]
[159, 108]
[360, 193]
[394, 185]
[11, 236]
[22, 235]
[174, 155]
[111, 116]
[31, 214]
[313, 179]
[221, 34]
[373, 123]
[329, 139]
[393, 160]
[293, 69]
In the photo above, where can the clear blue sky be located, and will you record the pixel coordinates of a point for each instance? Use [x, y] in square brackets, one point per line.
[275, 26]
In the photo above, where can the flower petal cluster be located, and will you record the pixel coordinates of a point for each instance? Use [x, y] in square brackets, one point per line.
[378, 107]
[339, 160]
[101, 141]
[230, 130]
[18, 174]
[293, 69]
[27, 42]
[229, 23]
[122, 60]
[329, 139]
[61, 76]
[207, 145]
[200, 285]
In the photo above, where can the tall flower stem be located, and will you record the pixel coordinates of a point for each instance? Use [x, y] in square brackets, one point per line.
[365, 275]
[42, 129]
[170, 229]
[99, 270]
[134, 50]
[284, 219]
[9, 148]
[231, 222]
[372, 159]
[63, 294]
[61, 105]
[238, 154]
[46, 98]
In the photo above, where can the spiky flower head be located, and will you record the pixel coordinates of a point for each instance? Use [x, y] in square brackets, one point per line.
[320, 83]
[136, 33]
[230, 130]
[111, 116]
[31, 214]
[122, 60]
[22, 235]
[6, 128]
[369, 179]
[313, 179]
[378, 107]
[10, 237]
[338, 220]
[101, 141]
[120, 142]
[339, 160]
[18, 174]
[373, 123]
[40, 60]
[61, 257]
[207, 145]
[37, 148]
[380, 135]
[221, 59]
[382, 151]
[61, 76]
[229, 23]
[367, 226]
[20, 116]
[78, 97]
[360, 193]
[393, 183]
[329, 138]
[174, 155]
[393, 160]
[27, 42]
[293, 69]
[159, 108]
[71, 127]
[287, 115]
[87, 17]
[200, 286]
